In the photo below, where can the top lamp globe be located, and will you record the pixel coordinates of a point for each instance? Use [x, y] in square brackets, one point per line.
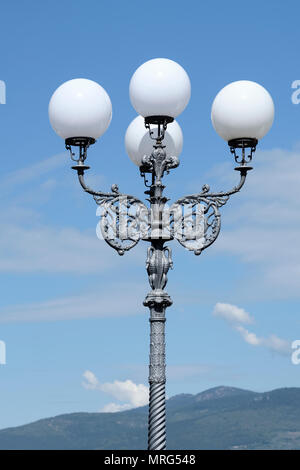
[80, 108]
[242, 109]
[160, 87]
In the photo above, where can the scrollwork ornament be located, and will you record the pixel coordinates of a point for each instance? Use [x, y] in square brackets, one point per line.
[124, 221]
[196, 219]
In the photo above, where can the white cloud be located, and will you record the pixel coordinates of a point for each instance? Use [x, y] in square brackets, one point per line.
[273, 342]
[231, 313]
[30, 173]
[249, 337]
[235, 316]
[115, 407]
[50, 249]
[91, 380]
[116, 300]
[278, 345]
[134, 395]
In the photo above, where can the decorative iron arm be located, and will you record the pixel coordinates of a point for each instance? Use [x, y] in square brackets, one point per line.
[80, 168]
[196, 219]
[219, 196]
[124, 218]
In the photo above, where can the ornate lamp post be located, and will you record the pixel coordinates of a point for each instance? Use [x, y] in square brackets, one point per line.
[80, 112]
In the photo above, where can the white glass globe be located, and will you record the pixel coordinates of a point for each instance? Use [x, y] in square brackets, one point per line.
[80, 108]
[160, 87]
[242, 109]
[138, 142]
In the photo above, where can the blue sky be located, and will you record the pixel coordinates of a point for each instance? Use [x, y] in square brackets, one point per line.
[69, 304]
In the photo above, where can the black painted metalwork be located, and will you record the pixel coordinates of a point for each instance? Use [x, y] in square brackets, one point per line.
[83, 143]
[193, 220]
[244, 143]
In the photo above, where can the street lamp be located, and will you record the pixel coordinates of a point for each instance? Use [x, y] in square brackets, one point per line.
[80, 112]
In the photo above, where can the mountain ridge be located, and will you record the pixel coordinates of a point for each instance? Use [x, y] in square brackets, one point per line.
[218, 418]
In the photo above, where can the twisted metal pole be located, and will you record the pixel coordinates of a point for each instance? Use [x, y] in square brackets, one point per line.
[157, 417]
[157, 381]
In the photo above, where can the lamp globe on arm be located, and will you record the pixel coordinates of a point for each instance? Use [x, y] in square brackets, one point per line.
[80, 108]
[242, 110]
